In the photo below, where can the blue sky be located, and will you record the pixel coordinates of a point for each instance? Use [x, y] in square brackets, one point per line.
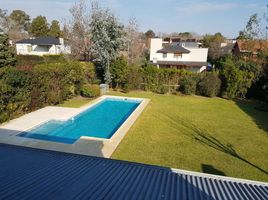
[200, 16]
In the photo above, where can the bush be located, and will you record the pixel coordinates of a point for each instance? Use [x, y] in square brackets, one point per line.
[187, 84]
[32, 60]
[134, 79]
[209, 85]
[24, 89]
[119, 70]
[29, 60]
[90, 91]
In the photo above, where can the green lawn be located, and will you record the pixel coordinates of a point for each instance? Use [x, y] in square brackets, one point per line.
[75, 102]
[210, 135]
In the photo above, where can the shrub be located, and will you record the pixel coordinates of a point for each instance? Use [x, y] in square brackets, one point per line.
[29, 60]
[32, 60]
[235, 81]
[54, 58]
[187, 84]
[162, 89]
[119, 70]
[26, 89]
[209, 85]
[134, 79]
[90, 91]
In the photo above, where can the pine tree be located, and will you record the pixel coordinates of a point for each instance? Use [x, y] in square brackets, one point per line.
[39, 27]
[54, 29]
[7, 55]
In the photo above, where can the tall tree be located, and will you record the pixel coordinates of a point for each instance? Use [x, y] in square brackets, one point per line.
[4, 21]
[106, 38]
[54, 29]
[76, 31]
[213, 42]
[135, 42]
[7, 54]
[150, 34]
[39, 27]
[21, 19]
[253, 30]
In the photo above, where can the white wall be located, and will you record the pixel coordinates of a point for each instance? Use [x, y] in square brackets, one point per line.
[195, 55]
[22, 49]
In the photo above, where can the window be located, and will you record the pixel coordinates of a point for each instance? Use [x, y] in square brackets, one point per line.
[29, 49]
[164, 55]
[177, 55]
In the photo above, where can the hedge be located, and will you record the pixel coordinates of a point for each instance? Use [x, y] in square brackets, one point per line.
[26, 89]
[32, 60]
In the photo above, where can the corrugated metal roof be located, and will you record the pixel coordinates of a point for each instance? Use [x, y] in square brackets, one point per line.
[27, 173]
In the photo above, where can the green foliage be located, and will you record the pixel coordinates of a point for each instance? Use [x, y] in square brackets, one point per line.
[7, 54]
[188, 84]
[21, 19]
[150, 34]
[32, 60]
[119, 70]
[90, 91]
[23, 89]
[209, 84]
[213, 42]
[54, 29]
[106, 39]
[235, 80]
[39, 27]
[134, 78]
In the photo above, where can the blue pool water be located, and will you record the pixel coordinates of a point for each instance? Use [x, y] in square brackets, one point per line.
[101, 121]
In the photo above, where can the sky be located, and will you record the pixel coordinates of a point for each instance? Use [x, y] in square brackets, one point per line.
[166, 16]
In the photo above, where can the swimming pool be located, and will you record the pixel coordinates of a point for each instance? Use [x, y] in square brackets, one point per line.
[100, 121]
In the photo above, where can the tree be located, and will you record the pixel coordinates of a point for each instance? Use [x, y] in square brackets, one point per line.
[150, 34]
[107, 37]
[7, 55]
[4, 23]
[253, 30]
[213, 42]
[14, 25]
[54, 29]
[21, 19]
[39, 27]
[134, 41]
[235, 80]
[119, 69]
[76, 31]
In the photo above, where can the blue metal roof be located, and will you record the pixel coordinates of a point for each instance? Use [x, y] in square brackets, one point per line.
[27, 173]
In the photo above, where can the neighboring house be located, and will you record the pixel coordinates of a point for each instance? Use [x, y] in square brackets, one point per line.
[249, 48]
[179, 55]
[42, 46]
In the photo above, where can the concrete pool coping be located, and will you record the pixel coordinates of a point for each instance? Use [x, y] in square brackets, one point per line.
[85, 145]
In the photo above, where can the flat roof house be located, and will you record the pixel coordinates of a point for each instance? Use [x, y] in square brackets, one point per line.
[42, 46]
[179, 55]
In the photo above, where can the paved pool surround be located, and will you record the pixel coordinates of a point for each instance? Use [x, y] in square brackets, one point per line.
[85, 145]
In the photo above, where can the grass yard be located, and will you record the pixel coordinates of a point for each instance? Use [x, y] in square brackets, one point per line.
[211, 135]
[76, 102]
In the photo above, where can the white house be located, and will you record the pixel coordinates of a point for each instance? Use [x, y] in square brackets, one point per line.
[179, 55]
[42, 46]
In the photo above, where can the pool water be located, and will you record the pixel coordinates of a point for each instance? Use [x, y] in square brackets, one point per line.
[101, 120]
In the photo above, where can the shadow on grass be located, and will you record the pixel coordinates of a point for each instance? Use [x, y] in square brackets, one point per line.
[259, 117]
[208, 140]
[211, 170]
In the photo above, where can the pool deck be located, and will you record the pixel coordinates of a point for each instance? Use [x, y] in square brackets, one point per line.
[85, 145]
